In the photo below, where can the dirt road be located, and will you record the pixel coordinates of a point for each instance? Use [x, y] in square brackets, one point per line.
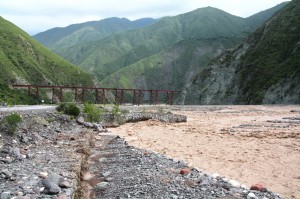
[251, 144]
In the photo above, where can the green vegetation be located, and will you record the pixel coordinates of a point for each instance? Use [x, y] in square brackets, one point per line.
[69, 109]
[10, 123]
[265, 68]
[163, 54]
[274, 55]
[171, 68]
[94, 114]
[160, 110]
[24, 61]
[60, 38]
[15, 96]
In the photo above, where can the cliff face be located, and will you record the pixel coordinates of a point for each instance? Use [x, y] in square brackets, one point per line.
[265, 68]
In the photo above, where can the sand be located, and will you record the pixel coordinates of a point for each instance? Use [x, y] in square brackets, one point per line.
[251, 144]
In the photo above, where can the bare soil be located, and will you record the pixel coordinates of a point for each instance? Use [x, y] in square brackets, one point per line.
[251, 144]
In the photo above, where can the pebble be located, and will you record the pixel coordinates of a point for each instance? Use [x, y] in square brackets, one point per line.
[184, 171]
[5, 195]
[43, 175]
[106, 174]
[225, 180]
[215, 175]
[51, 188]
[251, 195]
[65, 184]
[234, 183]
[88, 125]
[54, 178]
[63, 197]
[258, 187]
[102, 186]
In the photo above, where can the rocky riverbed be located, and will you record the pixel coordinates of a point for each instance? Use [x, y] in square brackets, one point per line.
[54, 156]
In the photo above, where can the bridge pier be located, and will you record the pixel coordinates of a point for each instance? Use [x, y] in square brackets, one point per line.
[153, 97]
[119, 96]
[170, 98]
[137, 97]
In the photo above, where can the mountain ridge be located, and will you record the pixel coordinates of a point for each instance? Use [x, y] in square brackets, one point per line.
[265, 68]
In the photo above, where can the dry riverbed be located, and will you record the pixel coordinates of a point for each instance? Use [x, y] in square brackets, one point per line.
[252, 144]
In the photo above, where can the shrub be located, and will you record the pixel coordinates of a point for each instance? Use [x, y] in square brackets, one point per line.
[72, 109]
[10, 123]
[160, 110]
[69, 109]
[61, 107]
[93, 113]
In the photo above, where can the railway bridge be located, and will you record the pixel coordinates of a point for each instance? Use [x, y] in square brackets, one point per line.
[139, 96]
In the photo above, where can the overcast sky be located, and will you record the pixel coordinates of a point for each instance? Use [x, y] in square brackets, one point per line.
[35, 16]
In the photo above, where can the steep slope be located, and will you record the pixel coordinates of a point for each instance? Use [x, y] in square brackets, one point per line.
[24, 60]
[171, 68]
[263, 69]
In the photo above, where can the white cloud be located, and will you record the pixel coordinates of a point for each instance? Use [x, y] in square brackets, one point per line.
[38, 15]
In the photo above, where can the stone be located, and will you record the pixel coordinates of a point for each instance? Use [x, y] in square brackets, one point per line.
[234, 183]
[63, 197]
[65, 184]
[80, 120]
[99, 127]
[16, 152]
[55, 178]
[251, 196]
[106, 174]
[102, 186]
[225, 180]
[43, 175]
[184, 171]
[51, 188]
[88, 125]
[51, 183]
[6, 174]
[5, 195]
[215, 175]
[20, 194]
[258, 187]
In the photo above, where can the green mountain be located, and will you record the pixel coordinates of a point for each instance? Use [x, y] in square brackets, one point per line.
[120, 50]
[165, 54]
[265, 68]
[171, 68]
[24, 61]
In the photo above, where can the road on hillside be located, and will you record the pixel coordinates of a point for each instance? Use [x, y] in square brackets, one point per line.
[27, 108]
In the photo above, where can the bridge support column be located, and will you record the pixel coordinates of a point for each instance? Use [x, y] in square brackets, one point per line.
[153, 97]
[119, 96]
[137, 97]
[61, 95]
[82, 95]
[76, 95]
[170, 97]
[100, 96]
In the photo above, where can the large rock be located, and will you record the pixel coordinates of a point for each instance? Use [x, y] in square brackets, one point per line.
[80, 120]
[51, 184]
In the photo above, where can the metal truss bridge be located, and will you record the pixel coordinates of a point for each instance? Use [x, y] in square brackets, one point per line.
[138, 95]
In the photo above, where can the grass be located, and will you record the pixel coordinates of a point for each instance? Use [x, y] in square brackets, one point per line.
[10, 123]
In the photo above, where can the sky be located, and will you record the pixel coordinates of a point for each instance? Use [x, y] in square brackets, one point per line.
[35, 16]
